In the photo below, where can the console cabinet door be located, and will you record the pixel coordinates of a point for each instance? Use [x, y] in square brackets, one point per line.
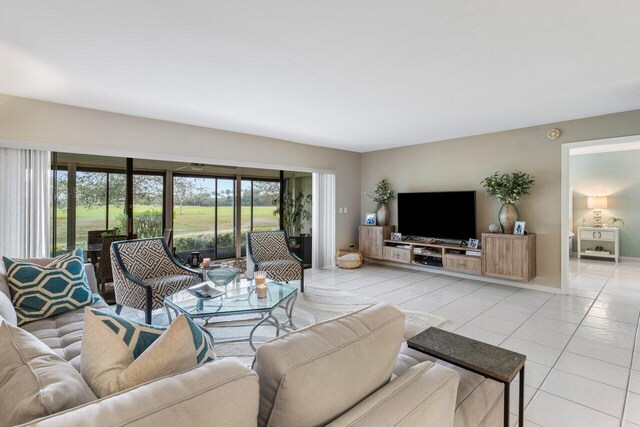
[372, 239]
[509, 256]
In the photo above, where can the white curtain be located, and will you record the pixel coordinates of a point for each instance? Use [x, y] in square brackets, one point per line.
[324, 220]
[24, 202]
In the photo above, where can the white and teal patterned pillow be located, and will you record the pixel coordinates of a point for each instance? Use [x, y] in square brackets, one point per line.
[118, 354]
[39, 292]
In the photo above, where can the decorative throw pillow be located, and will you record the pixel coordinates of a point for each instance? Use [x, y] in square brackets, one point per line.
[39, 292]
[118, 354]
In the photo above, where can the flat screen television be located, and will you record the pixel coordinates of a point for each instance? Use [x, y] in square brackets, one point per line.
[442, 215]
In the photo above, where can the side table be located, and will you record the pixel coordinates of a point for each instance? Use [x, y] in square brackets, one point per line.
[481, 358]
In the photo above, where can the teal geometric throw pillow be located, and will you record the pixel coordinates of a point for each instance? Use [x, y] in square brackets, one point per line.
[139, 336]
[118, 354]
[39, 292]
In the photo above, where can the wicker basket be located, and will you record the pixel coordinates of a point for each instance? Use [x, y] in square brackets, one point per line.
[350, 262]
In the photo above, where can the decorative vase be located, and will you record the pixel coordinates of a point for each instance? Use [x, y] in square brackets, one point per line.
[382, 215]
[508, 217]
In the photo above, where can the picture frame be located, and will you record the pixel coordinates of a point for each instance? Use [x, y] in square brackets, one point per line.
[396, 236]
[370, 219]
[519, 228]
[473, 243]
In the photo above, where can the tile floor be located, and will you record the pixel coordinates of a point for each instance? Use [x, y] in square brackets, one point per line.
[582, 367]
[583, 352]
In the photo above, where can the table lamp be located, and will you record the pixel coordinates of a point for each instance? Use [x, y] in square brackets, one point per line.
[597, 203]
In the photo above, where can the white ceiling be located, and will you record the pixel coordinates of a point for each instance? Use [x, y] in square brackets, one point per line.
[359, 75]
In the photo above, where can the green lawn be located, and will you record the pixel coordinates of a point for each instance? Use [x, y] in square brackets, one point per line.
[192, 220]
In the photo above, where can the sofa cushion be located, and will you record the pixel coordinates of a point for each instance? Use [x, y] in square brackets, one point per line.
[7, 311]
[39, 292]
[35, 382]
[63, 333]
[118, 354]
[478, 399]
[312, 376]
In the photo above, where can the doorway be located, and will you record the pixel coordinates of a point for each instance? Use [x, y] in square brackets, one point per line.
[596, 199]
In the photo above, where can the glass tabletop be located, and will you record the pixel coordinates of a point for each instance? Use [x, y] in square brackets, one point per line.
[240, 298]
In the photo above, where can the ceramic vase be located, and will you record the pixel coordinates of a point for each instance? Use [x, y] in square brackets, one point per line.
[508, 217]
[382, 215]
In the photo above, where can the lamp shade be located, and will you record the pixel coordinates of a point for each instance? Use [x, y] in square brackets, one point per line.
[597, 202]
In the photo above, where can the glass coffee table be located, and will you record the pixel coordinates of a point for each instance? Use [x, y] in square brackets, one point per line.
[240, 299]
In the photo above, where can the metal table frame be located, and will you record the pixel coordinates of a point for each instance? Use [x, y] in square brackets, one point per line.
[266, 316]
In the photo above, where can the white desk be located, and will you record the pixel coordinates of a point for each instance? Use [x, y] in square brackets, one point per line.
[595, 236]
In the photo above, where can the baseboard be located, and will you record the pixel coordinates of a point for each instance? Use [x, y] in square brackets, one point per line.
[486, 279]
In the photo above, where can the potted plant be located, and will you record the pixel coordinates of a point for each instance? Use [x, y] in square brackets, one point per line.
[382, 194]
[294, 210]
[508, 188]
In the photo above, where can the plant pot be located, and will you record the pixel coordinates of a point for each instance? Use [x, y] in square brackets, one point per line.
[382, 215]
[508, 217]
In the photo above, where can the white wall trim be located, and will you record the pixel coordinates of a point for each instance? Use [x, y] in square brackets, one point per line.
[566, 193]
[199, 158]
[486, 279]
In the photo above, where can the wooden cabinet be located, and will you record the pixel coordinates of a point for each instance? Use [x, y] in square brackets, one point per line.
[372, 239]
[462, 263]
[509, 256]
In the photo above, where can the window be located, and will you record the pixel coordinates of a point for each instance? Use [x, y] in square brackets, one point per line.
[194, 215]
[260, 200]
[225, 225]
[59, 199]
[148, 205]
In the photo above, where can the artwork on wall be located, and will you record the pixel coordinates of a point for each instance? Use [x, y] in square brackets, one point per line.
[519, 227]
[370, 219]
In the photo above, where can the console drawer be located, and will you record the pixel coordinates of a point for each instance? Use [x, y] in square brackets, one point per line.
[397, 255]
[603, 235]
[463, 263]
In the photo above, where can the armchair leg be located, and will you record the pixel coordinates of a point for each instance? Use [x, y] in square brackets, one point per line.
[147, 313]
[118, 309]
[147, 316]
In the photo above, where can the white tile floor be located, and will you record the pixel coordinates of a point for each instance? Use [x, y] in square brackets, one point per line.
[582, 368]
[583, 352]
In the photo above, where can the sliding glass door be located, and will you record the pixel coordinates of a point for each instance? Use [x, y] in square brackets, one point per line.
[260, 201]
[194, 215]
[148, 204]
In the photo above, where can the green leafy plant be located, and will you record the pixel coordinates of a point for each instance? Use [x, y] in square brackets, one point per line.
[508, 187]
[382, 194]
[615, 219]
[294, 210]
[113, 233]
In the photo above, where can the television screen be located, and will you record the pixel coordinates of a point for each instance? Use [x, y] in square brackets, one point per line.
[442, 215]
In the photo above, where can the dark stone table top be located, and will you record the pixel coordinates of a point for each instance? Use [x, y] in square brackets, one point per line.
[482, 358]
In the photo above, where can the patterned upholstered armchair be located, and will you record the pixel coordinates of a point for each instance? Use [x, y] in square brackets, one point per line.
[144, 272]
[270, 251]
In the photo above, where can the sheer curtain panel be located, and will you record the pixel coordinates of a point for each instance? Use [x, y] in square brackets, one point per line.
[324, 220]
[24, 202]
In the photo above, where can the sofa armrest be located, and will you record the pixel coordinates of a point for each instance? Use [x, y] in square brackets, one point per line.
[91, 276]
[423, 395]
[221, 393]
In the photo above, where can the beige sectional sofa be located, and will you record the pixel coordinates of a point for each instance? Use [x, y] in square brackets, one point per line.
[354, 370]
